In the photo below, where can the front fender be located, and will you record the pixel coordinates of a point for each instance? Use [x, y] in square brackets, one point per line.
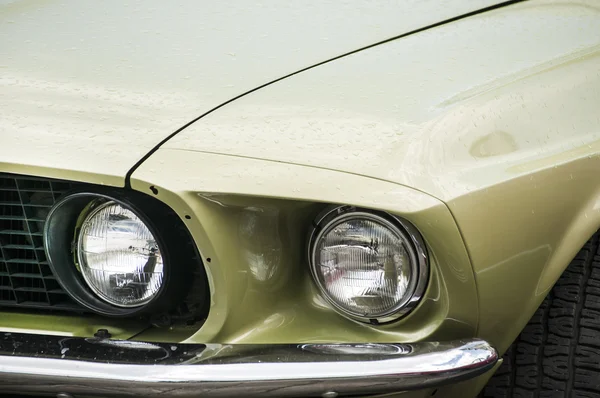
[495, 115]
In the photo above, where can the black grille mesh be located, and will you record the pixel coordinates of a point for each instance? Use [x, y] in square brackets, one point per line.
[26, 280]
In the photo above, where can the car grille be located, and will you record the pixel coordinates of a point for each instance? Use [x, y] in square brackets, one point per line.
[26, 280]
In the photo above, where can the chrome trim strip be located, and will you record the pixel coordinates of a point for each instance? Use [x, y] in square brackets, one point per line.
[111, 368]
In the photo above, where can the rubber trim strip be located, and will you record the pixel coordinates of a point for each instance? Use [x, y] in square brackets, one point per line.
[444, 22]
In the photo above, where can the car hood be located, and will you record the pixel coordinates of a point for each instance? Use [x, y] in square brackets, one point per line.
[88, 88]
[423, 112]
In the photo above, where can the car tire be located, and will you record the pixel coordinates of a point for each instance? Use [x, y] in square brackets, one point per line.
[558, 352]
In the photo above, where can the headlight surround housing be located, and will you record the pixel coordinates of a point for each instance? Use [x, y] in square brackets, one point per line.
[62, 235]
[368, 265]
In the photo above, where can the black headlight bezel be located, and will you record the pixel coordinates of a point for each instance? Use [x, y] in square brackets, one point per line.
[60, 242]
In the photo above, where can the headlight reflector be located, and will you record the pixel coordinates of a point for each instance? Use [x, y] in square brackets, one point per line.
[368, 265]
[119, 257]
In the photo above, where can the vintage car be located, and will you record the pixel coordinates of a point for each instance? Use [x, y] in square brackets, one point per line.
[310, 198]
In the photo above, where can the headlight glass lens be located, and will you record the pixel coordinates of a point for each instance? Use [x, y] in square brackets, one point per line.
[364, 265]
[119, 257]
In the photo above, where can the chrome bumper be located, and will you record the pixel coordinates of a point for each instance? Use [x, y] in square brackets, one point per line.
[112, 368]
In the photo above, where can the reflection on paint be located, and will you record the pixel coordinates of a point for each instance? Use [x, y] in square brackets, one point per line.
[260, 241]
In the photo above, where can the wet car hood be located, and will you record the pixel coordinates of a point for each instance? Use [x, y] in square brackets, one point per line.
[88, 88]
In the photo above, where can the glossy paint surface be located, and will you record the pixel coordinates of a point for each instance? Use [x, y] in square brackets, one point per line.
[502, 125]
[445, 111]
[87, 88]
[68, 325]
[254, 229]
[507, 138]
[492, 121]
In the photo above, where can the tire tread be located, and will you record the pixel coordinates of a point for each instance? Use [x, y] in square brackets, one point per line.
[557, 355]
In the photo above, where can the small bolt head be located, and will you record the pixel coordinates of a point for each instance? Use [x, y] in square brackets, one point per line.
[329, 394]
[102, 334]
[63, 395]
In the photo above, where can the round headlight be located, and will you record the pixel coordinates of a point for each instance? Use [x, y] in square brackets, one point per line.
[369, 266]
[111, 257]
[119, 257]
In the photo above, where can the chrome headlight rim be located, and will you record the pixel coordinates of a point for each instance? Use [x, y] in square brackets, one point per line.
[60, 240]
[334, 215]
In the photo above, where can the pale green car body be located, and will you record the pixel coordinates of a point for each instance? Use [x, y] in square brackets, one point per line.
[482, 132]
